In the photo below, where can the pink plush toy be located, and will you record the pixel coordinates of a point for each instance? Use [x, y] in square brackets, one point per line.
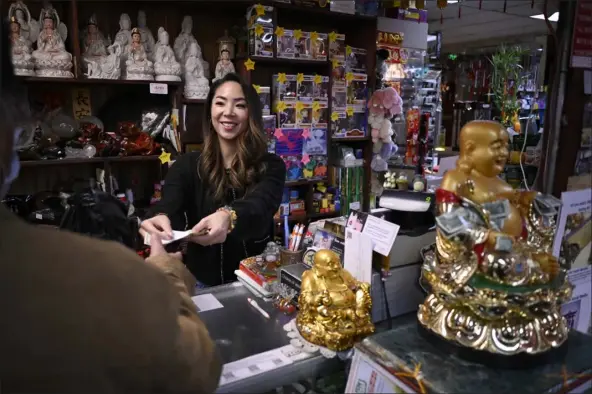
[383, 105]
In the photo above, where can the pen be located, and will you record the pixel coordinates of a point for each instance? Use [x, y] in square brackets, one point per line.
[256, 306]
[299, 233]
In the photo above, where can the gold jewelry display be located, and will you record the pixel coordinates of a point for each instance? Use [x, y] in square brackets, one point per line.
[494, 285]
[334, 308]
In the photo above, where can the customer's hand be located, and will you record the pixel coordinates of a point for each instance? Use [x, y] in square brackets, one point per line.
[159, 225]
[217, 223]
[157, 248]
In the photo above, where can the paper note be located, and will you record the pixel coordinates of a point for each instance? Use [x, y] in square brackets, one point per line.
[177, 235]
[206, 302]
[381, 232]
[358, 255]
[159, 88]
[254, 365]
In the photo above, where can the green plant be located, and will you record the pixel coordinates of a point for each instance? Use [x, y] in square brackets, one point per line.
[506, 77]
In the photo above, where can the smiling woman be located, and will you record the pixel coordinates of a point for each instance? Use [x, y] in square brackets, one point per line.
[227, 194]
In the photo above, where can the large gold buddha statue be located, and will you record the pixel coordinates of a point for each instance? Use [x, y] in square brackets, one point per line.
[334, 308]
[494, 285]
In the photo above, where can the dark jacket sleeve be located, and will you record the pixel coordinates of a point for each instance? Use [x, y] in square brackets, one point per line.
[256, 209]
[177, 187]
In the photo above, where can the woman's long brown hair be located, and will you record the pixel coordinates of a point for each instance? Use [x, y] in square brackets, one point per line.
[247, 165]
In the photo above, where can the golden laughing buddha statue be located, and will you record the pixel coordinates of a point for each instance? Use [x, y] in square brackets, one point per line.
[493, 284]
[334, 307]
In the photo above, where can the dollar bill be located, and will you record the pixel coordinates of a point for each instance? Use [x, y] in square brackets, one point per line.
[544, 210]
[549, 200]
[451, 222]
[497, 224]
[498, 209]
[503, 243]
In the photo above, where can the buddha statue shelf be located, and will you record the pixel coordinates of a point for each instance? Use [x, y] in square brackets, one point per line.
[334, 307]
[494, 285]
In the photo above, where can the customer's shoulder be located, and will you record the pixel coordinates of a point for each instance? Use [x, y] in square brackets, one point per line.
[271, 159]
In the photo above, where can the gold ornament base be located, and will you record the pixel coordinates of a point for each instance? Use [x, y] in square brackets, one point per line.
[510, 337]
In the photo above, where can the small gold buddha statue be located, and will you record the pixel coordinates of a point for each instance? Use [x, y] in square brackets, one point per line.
[334, 307]
[494, 285]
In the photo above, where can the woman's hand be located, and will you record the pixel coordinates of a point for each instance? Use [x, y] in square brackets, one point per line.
[158, 225]
[157, 248]
[217, 225]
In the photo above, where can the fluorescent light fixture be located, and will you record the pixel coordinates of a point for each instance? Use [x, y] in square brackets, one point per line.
[432, 38]
[452, 1]
[552, 18]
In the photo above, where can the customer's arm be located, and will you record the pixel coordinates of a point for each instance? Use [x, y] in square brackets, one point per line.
[255, 211]
[198, 369]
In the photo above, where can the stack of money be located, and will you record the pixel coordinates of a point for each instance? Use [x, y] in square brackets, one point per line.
[498, 213]
[547, 205]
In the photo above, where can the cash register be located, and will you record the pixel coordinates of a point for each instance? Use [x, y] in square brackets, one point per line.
[414, 213]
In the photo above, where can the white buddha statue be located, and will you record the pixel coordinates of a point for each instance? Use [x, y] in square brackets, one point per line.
[196, 84]
[166, 67]
[147, 37]
[51, 57]
[138, 66]
[22, 60]
[123, 38]
[184, 40]
[94, 45]
[29, 27]
[224, 65]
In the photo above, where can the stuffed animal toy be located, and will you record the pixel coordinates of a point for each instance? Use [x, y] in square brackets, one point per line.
[383, 106]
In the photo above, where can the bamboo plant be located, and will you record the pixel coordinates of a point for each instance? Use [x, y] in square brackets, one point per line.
[506, 77]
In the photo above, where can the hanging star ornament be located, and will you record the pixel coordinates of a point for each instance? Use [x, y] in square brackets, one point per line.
[305, 133]
[349, 111]
[279, 31]
[334, 116]
[335, 63]
[259, 10]
[298, 34]
[332, 36]
[165, 157]
[316, 106]
[348, 50]
[257, 88]
[305, 158]
[349, 77]
[299, 77]
[299, 106]
[250, 66]
[318, 79]
[280, 106]
[314, 36]
[281, 78]
[279, 134]
[259, 30]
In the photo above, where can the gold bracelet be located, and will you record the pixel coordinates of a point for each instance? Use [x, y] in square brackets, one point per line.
[232, 213]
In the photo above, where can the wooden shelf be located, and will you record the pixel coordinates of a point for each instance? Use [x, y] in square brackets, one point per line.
[304, 217]
[275, 61]
[193, 101]
[301, 182]
[350, 139]
[324, 12]
[85, 81]
[93, 160]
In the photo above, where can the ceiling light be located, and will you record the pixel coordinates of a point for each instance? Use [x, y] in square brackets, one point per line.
[452, 1]
[432, 38]
[552, 18]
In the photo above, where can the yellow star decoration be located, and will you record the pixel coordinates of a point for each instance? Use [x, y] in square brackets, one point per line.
[332, 36]
[314, 36]
[250, 65]
[299, 77]
[299, 106]
[335, 63]
[281, 78]
[298, 34]
[259, 30]
[348, 50]
[260, 10]
[257, 88]
[165, 157]
[350, 111]
[349, 77]
[334, 116]
[279, 31]
[280, 106]
[316, 106]
[318, 79]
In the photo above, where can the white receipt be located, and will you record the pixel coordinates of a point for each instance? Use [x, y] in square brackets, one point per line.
[177, 235]
[206, 302]
[254, 365]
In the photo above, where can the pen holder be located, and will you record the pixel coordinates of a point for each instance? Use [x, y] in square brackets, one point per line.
[288, 257]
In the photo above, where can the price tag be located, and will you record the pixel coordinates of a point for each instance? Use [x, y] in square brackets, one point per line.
[159, 88]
